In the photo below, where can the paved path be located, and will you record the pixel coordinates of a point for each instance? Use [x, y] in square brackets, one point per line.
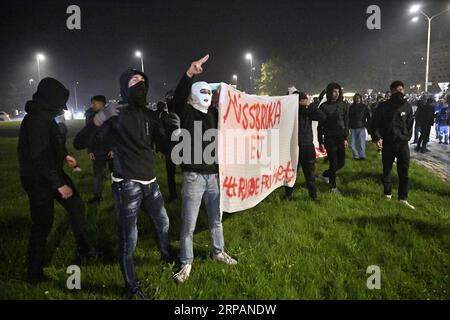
[438, 160]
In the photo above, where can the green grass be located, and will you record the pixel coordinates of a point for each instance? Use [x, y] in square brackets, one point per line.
[286, 250]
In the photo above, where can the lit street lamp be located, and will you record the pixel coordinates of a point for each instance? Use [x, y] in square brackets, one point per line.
[138, 54]
[418, 9]
[75, 91]
[39, 57]
[235, 79]
[249, 57]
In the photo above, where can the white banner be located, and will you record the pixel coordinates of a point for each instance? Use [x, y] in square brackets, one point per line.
[258, 146]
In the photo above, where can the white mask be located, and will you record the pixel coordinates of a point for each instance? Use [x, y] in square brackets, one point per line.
[200, 101]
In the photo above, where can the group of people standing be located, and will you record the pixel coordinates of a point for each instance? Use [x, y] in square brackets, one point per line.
[123, 135]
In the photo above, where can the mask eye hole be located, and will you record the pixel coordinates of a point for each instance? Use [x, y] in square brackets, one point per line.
[205, 91]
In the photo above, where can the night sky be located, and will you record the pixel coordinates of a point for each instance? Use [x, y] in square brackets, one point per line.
[173, 33]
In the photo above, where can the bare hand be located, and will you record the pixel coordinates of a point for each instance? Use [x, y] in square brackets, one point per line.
[196, 66]
[322, 148]
[380, 144]
[71, 162]
[110, 155]
[65, 191]
[91, 156]
[345, 144]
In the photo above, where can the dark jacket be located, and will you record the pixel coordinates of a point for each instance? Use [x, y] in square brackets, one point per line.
[358, 116]
[305, 118]
[425, 115]
[336, 123]
[102, 141]
[393, 121]
[41, 147]
[133, 131]
[188, 115]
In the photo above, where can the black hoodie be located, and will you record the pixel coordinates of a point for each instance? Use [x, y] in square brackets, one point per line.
[188, 116]
[336, 123]
[41, 146]
[393, 120]
[133, 132]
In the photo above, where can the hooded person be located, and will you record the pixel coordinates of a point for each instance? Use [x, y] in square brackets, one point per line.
[333, 132]
[307, 151]
[134, 129]
[42, 152]
[392, 128]
[200, 176]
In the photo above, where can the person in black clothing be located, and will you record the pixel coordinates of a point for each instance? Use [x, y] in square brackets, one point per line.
[307, 151]
[100, 150]
[425, 120]
[359, 119]
[168, 118]
[42, 152]
[393, 122]
[420, 104]
[333, 133]
[134, 128]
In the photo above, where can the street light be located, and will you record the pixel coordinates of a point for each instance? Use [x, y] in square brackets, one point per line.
[235, 78]
[39, 57]
[138, 54]
[76, 99]
[249, 57]
[31, 81]
[417, 8]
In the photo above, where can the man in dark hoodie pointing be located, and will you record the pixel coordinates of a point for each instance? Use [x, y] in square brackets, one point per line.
[42, 153]
[133, 129]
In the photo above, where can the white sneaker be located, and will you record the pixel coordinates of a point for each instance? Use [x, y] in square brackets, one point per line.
[388, 196]
[325, 179]
[406, 203]
[183, 274]
[225, 258]
[335, 190]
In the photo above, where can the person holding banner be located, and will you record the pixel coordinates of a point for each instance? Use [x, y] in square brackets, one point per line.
[307, 152]
[333, 133]
[200, 179]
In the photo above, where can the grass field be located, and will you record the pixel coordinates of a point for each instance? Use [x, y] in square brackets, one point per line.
[286, 250]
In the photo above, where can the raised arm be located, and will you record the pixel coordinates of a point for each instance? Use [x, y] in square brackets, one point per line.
[184, 86]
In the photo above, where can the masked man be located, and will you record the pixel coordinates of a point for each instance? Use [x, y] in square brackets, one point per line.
[42, 152]
[133, 129]
[200, 178]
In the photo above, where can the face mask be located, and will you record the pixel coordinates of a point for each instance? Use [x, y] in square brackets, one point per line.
[137, 95]
[398, 98]
[200, 101]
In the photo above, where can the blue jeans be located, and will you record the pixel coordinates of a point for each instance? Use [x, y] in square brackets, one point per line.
[129, 196]
[195, 187]
[358, 135]
[443, 134]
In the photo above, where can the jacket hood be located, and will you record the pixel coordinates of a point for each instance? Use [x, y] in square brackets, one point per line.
[125, 78]
[51, 96]
[330, 88]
